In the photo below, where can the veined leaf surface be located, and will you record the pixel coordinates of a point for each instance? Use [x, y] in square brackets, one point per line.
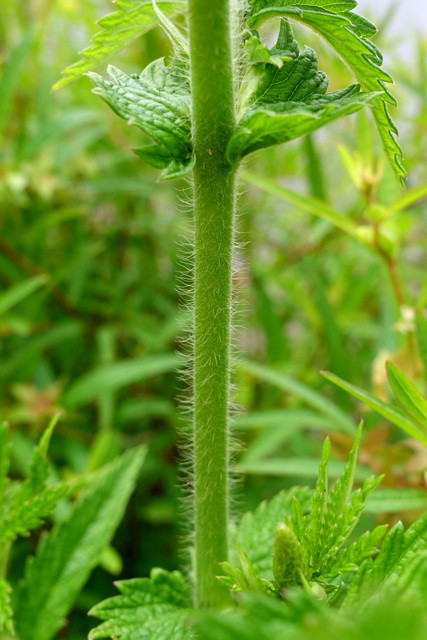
[154, 608]
[347, 33]
[283, 103]
[131, 19]
[158, 102]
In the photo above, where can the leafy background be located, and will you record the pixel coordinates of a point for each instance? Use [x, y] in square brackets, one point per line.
[92, 258]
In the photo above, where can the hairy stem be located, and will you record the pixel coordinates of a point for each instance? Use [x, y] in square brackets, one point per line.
[214, 201]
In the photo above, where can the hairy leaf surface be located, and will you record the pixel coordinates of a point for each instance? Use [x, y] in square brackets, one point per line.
[154, 608]
[349, 35]
[158, 102]
[131, 19]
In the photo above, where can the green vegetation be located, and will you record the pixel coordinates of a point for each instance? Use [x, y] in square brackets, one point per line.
[104, 274]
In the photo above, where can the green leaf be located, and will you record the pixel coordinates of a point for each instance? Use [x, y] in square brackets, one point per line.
[306, 203]
[295, 419]
[302, 391]
[132, 19]
[398, 549]
[281, 104]
[348, 34]
[318, 503]
[408, 588]
[409, 397]
[66, 556]
[19, 292]
[154, 608]
[421, 326]
[244, 579]
[396, 500]
[39, 469]
[299, 467]
[28, 512]
[30, 502]
[410, 198]
[288, 557]
[257, 530]
[6, 613]
[10, 77]
[277, 428]
[261, 617]
[114, 376]
[5, 447]
[157, 102]
[350, 559]
[333, 517]
[393, 414]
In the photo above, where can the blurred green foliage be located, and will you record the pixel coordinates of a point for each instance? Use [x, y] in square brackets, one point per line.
[92, 256]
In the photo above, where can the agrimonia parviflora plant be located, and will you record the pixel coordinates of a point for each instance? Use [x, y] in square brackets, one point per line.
[223, 95]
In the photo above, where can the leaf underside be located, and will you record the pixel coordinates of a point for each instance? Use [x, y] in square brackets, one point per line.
[157, 102]
[349, 35]
[131, 19]
[286, 102]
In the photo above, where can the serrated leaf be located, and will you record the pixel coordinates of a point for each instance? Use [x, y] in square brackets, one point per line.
[409, 586]
[399, 548]
[260, 617]
[157, 102]
[6, 613]
[257, 530]
[39, 469]
[393, 414]
[351, 558]
[330, 528]
[319, 501]
[28, 512]
[131, 19]
[30, 501]
[349, 35]
[66, 556]
[284, 103]
[154, 608]
[408, 396]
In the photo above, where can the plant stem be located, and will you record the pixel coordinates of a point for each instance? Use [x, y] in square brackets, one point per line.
[214, 202]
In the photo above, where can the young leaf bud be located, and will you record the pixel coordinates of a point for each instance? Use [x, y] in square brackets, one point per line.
[288, 557]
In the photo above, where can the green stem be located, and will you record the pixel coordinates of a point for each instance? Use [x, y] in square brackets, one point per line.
[214, 201]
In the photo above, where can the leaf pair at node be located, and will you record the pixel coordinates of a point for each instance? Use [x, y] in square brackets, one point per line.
[281, 102]
[350, 36]
[283, 94]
